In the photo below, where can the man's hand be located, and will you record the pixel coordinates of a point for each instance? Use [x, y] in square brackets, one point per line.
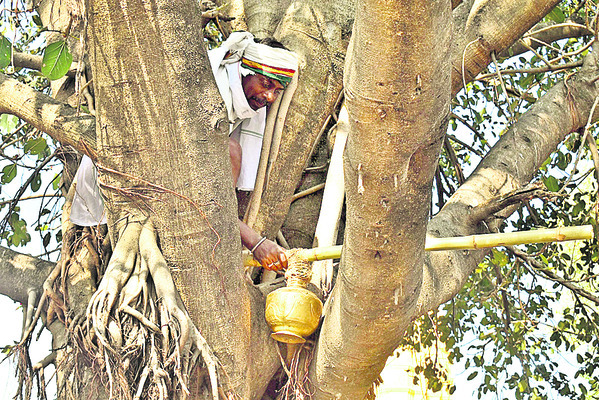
[270, 255]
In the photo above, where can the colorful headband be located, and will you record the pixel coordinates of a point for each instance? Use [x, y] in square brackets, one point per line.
[282, 75]
[272, 62]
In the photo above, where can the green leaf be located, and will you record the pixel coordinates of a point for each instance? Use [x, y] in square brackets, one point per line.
[8, 173]
[562, 161]
[36, 182]
[557, 15]
[8, 123]
[552, 184]
[37, 20]
[19, 237]
[57, 60]
[56, 182]
[522, 386]
[46, 240]
[472, 375]
[36, 146]
[5, 52]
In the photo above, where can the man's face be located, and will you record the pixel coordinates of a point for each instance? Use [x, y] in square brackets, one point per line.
[260, 91]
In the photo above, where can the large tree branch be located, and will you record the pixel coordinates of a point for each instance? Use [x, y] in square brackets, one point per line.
[20, 274]
[545, 34]
[511, 164]
[62, 122]
[490, 26]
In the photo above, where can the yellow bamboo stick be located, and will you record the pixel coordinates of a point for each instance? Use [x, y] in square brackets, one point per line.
[560, 234]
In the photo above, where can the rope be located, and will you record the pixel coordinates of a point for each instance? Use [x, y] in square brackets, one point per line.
[299, 270]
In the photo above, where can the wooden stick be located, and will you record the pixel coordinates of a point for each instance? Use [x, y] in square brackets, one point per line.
[564, 233]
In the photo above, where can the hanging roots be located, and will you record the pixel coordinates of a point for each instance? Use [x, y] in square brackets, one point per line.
[296, 368]
[138, 332]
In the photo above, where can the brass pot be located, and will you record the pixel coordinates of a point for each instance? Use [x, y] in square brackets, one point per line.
[293, 313]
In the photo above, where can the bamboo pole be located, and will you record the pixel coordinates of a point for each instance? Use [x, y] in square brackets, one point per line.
[561, 234]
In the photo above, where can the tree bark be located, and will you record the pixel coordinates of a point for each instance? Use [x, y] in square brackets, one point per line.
[398, 118]
[20, 274]
[546, 34]
[57, 119]
[262, 17]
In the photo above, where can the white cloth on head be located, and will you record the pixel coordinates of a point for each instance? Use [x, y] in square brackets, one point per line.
[87, 208]
[247, 125]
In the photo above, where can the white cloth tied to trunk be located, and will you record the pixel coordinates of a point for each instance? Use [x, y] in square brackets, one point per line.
[87, 208]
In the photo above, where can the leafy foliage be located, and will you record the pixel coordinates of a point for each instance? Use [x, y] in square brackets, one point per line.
[27, 165]
[525, 325]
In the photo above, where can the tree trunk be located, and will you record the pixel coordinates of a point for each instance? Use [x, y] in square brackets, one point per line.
[398, 117]
[159, 121]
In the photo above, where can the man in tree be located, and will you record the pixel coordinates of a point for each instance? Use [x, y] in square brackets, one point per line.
[250, 76]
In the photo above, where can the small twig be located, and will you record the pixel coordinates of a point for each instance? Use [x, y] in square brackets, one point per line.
[535, 52]
[440, 189]
[10, 135]
[36, 196]
[454, 160]
[531, 70]
[472, 149]
[504, 301]
[584, 138]
[318, 168]
[541, 269]
[499, 203]
[450, 189]
[498, 72]
[307, 192]
[466, 124]
[594, 155]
